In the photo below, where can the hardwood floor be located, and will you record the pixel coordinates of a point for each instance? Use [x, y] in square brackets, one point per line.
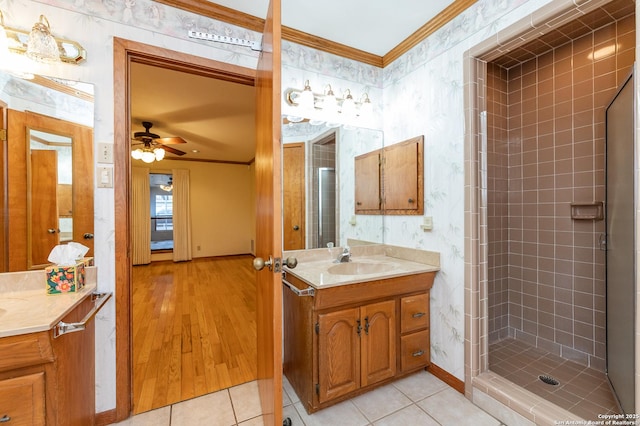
[194, 329]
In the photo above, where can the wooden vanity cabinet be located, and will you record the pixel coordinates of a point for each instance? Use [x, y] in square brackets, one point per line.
[47, 381]
[357, 347]
[346, 340]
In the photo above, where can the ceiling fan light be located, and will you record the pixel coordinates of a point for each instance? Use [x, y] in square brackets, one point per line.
[148, 157]
[136, 154]
[159, 153]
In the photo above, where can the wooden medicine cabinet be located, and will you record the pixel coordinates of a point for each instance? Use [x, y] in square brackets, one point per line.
[390, 180]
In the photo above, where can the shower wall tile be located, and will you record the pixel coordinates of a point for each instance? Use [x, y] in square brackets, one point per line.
[546, 150]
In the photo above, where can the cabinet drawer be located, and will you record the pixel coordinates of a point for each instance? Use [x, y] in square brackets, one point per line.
[22, 400]
[414, 350]
[414, 312]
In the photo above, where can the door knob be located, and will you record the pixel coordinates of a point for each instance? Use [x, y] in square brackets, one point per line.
[291, 262]
[88, 236]
[51, 231]
[259, 263]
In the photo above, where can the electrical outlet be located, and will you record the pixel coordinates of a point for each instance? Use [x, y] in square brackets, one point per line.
[427, 224]
[105, 153]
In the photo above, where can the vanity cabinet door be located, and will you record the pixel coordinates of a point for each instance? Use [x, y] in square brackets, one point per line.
[22, 400]
[403, 177]
[338, 353]
[378, 342]
[367, 182]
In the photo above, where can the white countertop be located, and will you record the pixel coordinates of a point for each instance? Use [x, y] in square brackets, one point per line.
[317, 274]
[314, 265]
[25, 306]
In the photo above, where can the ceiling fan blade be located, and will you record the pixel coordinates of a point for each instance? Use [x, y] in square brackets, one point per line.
[172, 150]
[170, 141]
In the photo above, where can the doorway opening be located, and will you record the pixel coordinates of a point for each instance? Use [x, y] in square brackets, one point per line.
[127, 53]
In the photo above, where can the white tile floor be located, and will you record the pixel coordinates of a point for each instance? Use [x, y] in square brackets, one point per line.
[420, 399]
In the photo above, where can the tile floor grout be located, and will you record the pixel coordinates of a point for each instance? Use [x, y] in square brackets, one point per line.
[417, 399]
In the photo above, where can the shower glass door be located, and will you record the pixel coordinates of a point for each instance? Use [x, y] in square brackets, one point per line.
[620, 245]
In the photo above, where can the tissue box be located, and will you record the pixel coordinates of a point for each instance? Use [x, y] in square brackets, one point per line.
[65, 279]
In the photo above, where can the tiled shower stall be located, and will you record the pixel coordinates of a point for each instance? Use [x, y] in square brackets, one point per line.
[545, 151]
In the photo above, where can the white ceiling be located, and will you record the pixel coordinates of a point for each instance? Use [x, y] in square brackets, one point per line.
[375, 26]
[217, 117]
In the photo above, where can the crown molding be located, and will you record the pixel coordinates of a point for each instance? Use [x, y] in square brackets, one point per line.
[244, 20]
[438, 21]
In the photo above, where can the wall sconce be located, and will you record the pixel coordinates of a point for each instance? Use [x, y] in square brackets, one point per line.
[39, 44]
[331, 109]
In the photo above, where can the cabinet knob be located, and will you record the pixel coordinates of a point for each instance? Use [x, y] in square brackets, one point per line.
[411, 200]
[418, 353]
[4, 419]
[296, 227]
[418, 315]
[358, 203]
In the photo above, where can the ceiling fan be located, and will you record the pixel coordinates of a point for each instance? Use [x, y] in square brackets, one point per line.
[152, 141]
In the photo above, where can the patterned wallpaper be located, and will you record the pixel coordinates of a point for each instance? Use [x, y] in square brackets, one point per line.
[420, 93]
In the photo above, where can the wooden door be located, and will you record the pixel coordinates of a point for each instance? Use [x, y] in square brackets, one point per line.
[44, 228]
[3, 187]
[293, 197]
[367, 181]
[18, 123]
[378, 342]
[338, 353]
[82, 158]
[269, 218]
[402, 177]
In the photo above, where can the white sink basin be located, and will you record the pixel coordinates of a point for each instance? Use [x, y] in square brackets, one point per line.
[360, 268]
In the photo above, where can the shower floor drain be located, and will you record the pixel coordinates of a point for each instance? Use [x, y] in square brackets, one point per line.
[549, 380]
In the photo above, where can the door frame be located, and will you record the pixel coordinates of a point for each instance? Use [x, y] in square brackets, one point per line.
[124, 53]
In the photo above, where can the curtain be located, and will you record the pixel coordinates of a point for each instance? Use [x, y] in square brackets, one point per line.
[181, 216]
[141, 216]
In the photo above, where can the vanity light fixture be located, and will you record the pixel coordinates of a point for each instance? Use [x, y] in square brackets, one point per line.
[331, 108]
[40, 45]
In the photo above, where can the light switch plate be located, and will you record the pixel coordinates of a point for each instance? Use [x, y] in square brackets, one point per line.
[105, 153]
[427, 224]
[105, 177]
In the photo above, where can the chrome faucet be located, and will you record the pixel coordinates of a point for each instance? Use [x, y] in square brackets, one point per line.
[345, 256]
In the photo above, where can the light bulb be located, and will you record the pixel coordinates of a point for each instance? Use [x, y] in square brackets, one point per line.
[42, 46]
[159, 153]
[137, 154]
[348, 106]
[306, 99]
[148, 157]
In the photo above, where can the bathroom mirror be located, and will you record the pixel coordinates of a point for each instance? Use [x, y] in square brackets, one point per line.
[47, 179]
[318, 185]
